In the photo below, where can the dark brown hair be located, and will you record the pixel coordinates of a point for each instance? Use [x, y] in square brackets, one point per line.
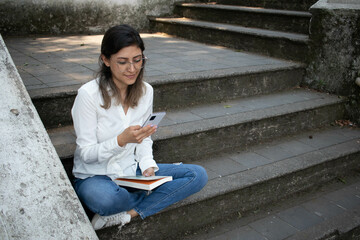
[113, 41]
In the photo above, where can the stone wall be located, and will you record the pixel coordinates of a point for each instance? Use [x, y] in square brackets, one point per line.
[37, 200]
[21, 17]
[334, 59]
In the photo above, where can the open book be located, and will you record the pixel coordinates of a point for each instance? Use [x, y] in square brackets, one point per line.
[141, 182]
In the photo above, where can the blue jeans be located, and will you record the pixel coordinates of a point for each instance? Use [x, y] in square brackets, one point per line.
[101, 195]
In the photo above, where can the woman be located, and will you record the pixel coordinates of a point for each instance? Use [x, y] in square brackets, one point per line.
[108, 113]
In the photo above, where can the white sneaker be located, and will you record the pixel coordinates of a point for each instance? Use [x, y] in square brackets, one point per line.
[107, 221]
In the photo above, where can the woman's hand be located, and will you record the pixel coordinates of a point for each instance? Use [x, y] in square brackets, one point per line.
[135, 134]
[149, 172]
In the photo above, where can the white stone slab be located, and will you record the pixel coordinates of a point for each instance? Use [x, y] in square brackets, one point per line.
[37, 200]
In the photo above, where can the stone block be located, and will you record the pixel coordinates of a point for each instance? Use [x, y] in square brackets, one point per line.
[299, 217]
[334, 56]
[241, 233]
[273, 228]
[323, 208]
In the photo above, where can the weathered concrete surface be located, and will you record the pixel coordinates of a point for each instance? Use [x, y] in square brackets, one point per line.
[334, 59]
[76, 16]
[237, 194]
[299, 5]
[344, 226]
[37, 200]
[270, 19]
[181, 90]
[289, 46]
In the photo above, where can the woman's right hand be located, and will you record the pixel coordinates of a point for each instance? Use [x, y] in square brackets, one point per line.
[135, 134]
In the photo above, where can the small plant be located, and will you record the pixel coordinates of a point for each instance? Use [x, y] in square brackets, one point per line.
[321, 84]
[341, 180]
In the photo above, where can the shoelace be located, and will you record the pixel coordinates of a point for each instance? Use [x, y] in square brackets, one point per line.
[114, 219]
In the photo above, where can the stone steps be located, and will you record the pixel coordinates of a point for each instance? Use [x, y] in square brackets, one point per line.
[327, 212]
[270, 19]
[180, 90]
[243, 122]
[242, 181]
[278, 44]
[297, 5]
[191, 133]
[261, 138]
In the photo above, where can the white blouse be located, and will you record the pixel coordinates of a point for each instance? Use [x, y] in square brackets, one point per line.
[97, 151]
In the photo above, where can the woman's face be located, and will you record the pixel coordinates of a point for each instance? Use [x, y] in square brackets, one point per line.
[125, 65]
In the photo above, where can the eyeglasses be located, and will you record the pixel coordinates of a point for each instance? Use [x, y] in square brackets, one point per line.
[137, 63]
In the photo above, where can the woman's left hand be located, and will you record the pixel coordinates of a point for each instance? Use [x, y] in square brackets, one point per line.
[149, 172]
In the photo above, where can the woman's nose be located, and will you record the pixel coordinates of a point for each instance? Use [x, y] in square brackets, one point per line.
[131, 67]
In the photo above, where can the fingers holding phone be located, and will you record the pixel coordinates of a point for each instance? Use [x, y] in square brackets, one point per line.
[135, 134]
[147, 131]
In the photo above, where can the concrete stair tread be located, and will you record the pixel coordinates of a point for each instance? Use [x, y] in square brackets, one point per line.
[254, 75]
[248, 169]
[331, 209]
[243, 168]
[233, 28]
[265, 64]
[279, 4]
[64, 140]
[248, 9]
[207, 117]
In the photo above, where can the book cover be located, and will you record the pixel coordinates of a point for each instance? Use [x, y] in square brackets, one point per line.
[141, 182]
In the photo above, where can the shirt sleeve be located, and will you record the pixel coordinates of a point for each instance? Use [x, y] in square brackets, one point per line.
[144, 153]
[85, 125]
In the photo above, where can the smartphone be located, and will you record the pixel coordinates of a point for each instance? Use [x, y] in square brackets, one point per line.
[154, 119]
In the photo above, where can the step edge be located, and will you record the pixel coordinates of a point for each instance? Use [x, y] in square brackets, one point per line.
[71, 91]
[323, 159]
[237, 29]
[248, 9]
[223, 73]
[266, 113]
[186, 129]
[289, 165]
[51, 92]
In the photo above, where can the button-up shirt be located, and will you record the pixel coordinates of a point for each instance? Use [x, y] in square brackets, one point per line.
[97, 151]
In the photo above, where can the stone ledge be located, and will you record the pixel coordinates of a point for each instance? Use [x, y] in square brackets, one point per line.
[76, 16]
[334, 60]
[37, 199]
[337, 4]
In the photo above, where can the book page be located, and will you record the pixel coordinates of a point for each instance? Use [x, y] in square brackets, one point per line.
[140, 177]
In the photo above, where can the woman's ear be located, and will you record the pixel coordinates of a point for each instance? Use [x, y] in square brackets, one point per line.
[105, 60]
